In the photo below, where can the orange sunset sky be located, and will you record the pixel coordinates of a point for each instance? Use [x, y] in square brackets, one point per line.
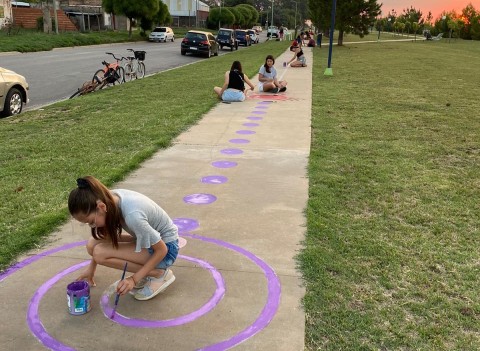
[435, 6]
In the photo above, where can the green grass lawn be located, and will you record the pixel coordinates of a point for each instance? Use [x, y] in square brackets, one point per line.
[391, 260]
[391, 253]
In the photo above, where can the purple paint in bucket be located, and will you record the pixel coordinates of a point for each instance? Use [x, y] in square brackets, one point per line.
[78, 298]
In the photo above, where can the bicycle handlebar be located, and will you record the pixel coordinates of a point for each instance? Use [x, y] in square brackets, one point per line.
[116, 58]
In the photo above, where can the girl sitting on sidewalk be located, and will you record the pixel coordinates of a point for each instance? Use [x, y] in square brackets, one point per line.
[150, 244]
[234, 87]
[298, 59]
[267, 78]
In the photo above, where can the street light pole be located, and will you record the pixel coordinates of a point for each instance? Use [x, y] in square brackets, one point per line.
[295, 19]
[272, 14]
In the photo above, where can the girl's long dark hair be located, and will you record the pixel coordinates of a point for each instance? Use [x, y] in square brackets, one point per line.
[236, 65]
[84, 198]
[269, 57]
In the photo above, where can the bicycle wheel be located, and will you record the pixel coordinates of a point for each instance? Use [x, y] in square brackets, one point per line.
[128, 73]
[120, 75]
[141, 70]
[99, 77]
[77, 93]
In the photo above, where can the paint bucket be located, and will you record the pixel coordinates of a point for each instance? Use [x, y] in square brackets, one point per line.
[78, 297]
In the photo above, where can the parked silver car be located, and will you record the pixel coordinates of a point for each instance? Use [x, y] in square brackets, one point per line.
[162, 34]
[13, 92]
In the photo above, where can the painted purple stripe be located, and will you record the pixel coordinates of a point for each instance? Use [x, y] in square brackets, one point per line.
[239, 141]
[34, 258]
[268, 312]
[144, 323]
[224, 164]
[265, 102]
[245, 132]
[254, 118]
[200, 199]
[214, 179]
[33, 320]
[261, 106]
[258, 112]
[250, 124]
[231, 151]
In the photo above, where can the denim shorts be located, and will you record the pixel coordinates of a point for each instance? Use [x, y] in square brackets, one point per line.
[170, 257]
[233, 95]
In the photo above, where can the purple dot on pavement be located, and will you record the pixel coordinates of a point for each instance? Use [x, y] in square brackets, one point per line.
[185, 224]
[215, 179]
[259, 112]
[245, 132]
[224, 164]
[239, 141]
[253, 118]
[263, 107]
[265, 102]
[250, 124]
[200, 199]
[231, 151]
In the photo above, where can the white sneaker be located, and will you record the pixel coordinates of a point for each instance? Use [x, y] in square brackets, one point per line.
[155, 286]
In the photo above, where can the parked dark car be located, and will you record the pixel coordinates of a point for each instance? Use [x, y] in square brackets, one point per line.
[200, 43]
[243, 37]
[226, 37]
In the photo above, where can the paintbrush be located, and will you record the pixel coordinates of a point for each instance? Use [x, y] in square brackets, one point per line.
[117, 297]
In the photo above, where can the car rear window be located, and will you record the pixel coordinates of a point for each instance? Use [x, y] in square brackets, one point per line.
[224, 32]
[196, 36]
[241, 34]
[160, 30]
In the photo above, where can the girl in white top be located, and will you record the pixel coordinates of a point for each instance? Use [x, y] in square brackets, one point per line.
[267, 78]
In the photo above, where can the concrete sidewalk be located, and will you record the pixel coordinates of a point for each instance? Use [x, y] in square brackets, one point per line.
[236, 185]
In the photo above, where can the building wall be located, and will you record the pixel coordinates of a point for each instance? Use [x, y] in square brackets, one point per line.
[182, 8]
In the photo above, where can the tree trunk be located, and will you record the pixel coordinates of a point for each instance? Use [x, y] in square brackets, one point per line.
[340, 37]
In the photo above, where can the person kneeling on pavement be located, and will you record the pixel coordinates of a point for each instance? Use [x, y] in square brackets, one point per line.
[298, 59]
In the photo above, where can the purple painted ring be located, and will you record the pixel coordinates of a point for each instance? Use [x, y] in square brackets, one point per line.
[245, 132]
[185, 224]
[231, 151]
[224, 164]
[239, 141]
[144, 323]
[214, 179]
[199, 199]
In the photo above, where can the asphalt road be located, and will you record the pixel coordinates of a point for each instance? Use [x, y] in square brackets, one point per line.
[55, 75]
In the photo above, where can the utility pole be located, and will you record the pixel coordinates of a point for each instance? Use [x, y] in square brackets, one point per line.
[272, 14]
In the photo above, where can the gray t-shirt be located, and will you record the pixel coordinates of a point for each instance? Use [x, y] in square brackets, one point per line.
[145, 220]
[272, 74]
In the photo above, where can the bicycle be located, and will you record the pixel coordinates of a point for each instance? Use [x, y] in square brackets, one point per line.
[135, 68]
[112, 72]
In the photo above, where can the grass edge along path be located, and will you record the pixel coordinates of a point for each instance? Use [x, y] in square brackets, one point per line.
[106, 134]
[391, 259]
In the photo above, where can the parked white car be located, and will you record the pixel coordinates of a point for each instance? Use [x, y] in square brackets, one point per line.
[13, 92]
[272, 31]
[162, 34]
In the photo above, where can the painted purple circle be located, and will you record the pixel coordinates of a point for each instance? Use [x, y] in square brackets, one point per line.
[259, 112]
[264, 102]
[200, 199]
[245, 132]
[261, 106]
[224, 164]
[190, 317]
[250, 124]
[231, 151]
[185, 224]
[254, 118]
[214, 179]
[270, 309]
[239, 141]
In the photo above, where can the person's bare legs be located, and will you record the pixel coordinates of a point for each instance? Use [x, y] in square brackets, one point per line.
[268, 86]
[297, 64]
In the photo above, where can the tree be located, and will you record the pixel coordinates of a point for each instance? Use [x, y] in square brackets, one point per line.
[239, 19]
[132, 9]
[352, 16]
[163, 15]
[253, 14]
[220, 16]
[415, 27]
